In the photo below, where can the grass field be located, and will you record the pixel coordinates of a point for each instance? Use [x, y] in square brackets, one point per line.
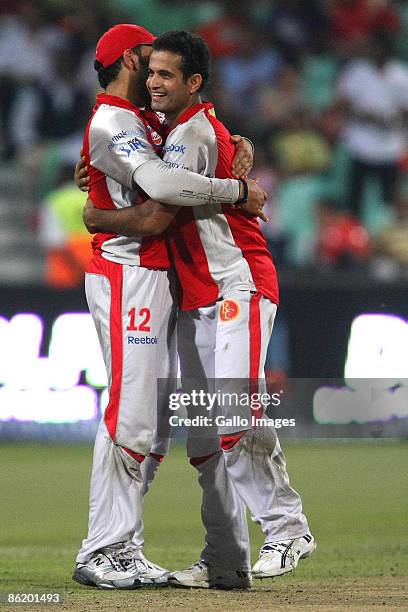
[354, 494]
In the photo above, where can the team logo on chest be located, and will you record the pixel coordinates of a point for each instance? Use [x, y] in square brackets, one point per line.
[229, 310]
[157, 139]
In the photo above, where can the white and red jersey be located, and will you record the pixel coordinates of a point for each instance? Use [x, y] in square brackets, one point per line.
[121, 146]
[216, 248]
[117, 140]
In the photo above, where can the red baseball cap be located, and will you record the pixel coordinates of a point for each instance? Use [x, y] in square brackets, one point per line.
[116, 40]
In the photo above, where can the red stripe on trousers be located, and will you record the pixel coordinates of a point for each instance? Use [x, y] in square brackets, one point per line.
[228, 442]
[255, 339]
[157, 457]
[255, 342]
[115, 276]
[139, 458]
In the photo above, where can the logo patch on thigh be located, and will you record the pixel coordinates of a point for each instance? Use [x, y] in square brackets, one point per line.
[229, 310]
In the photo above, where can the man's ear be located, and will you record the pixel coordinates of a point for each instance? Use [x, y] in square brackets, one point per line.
[195, 82]
[129, 60]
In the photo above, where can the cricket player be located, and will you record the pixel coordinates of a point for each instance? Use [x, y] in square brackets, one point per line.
[130, 298]
[228, 306]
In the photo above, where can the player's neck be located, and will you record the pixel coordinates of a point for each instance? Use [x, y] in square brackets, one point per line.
[122, 90]
[172, 118]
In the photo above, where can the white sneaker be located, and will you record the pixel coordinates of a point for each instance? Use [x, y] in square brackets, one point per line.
[105, 571]
[277, 558]
[134, 561]
[202, 576]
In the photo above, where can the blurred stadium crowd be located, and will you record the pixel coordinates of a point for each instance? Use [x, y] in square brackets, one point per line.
[321, 87]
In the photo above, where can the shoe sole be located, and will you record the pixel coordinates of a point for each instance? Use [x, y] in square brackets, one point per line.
[219, 587]
[206, 585]
[261, 575]
[152, 584]
[81, 580]
[105, 586]
[180, 585]
[158, 581]
[224, 587]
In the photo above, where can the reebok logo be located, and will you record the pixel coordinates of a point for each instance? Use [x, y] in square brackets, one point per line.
[142, 340]
[175, 148]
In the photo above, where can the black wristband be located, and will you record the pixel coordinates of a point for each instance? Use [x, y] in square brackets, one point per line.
[244, 198]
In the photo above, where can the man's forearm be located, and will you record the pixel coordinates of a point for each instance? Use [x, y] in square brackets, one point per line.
[184, 188]
[147, 219]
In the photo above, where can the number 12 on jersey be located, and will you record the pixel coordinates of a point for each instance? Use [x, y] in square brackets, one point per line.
[138, 321]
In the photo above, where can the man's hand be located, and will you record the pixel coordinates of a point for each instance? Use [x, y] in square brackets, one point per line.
[81, 175]
[256, 199]
[244, 157]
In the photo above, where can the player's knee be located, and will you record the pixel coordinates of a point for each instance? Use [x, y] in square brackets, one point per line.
[228, 442]
[131, 462]
[266, 438]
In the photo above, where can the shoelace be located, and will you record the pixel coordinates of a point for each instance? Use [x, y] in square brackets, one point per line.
[276, 547]
[126, 558]
[115, 563]
[200, 564]
[285, 551]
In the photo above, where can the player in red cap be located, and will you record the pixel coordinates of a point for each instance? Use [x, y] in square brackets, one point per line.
[130, 298]
[117, 39]
[228, 306]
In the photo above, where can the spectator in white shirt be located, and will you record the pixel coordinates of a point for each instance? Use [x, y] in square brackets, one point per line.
[374, 93]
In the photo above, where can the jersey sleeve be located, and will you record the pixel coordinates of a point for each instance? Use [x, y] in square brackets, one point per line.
[180, 179]
[118, 145]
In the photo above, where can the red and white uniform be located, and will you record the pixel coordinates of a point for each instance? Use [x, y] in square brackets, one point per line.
[127, 282]
[118, 139]
[130, 299]
[128, 293]
[226, 272]
[229, 301]
[216, 248]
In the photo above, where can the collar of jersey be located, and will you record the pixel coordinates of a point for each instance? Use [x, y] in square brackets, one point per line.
[193, 110]
[104, 98]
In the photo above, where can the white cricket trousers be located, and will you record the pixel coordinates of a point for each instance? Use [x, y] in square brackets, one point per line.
[229, 340]
[135, 316]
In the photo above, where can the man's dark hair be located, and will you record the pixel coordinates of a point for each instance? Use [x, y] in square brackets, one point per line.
[110, 73]
[194, 51]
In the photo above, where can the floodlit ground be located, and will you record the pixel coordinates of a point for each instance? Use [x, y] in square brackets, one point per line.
[355, 495]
